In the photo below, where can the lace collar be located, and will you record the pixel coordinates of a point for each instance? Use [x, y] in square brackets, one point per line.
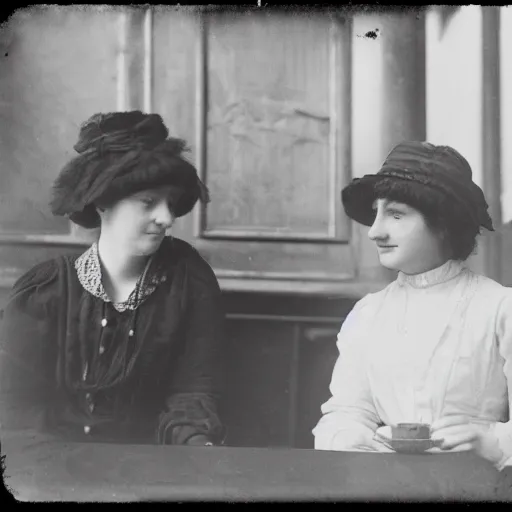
[442, 274]
[88, 269]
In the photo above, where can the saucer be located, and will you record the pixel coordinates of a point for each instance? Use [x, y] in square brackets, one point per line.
[411, 445]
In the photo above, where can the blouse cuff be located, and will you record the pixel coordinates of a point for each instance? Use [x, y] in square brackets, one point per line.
[345, 438]
[352, 438]
[187, 416]
[181, 435]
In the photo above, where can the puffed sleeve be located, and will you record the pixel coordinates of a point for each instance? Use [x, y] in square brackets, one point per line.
[25, 337]
[349, 417]
[192, 402]
[503, 430]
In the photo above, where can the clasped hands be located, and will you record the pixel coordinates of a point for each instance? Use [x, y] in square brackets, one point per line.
[459, 434]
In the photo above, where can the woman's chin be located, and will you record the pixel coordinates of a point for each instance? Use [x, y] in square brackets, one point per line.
[149, 247]
[389, 262]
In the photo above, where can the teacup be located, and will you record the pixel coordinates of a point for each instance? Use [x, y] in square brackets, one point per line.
[410, 431]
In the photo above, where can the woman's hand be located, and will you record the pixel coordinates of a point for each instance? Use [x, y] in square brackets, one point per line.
[375, 445]
[199, 440]
[356, 440]
[458, 433]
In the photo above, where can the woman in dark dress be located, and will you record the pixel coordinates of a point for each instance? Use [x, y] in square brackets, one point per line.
[125, 342]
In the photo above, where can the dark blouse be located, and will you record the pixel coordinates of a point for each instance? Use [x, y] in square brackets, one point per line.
[81, 369]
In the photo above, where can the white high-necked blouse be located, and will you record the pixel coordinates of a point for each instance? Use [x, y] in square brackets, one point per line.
[427, 346]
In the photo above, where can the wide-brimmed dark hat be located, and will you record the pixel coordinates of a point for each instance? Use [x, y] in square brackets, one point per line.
[120, 153]
[438, 168]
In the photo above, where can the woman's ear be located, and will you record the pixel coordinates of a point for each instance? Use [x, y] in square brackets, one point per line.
[100, 211]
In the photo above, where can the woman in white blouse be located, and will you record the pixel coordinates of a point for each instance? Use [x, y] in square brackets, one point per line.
[435, 346]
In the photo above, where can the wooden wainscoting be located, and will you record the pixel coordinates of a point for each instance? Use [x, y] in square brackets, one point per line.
[281, 353]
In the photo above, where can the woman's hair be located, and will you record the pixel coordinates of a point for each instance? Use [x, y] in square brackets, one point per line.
[443, 214]
[120, 153]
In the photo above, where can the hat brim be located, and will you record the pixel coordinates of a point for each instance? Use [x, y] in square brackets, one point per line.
[358, 198]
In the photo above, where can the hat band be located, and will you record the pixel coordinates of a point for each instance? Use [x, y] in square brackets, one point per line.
[466, 192]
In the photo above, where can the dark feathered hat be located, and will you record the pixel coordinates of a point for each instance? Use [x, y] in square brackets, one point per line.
[439, 168]
[120, 153]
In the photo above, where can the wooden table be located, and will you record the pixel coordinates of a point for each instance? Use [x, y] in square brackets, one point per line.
[41, 469]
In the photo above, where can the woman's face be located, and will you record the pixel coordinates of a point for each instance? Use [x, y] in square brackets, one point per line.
[138, 223]
[404, 240]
